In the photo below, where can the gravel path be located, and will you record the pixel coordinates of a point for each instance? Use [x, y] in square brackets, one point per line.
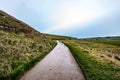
[59, 64]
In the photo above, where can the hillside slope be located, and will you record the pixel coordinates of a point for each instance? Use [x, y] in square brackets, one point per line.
[9, 23]
[20, 47]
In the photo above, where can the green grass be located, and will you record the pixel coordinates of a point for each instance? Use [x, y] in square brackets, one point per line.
[19, 53]
[94, 66]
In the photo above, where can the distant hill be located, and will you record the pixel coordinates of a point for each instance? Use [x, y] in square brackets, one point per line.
[113, 40]
[109, 37]
[58, 37]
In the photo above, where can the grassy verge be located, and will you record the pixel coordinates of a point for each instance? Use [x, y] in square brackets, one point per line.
[92, 67]
[22, 68]
[19, 53]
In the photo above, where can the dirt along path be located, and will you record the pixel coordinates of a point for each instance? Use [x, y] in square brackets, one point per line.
[59, 64]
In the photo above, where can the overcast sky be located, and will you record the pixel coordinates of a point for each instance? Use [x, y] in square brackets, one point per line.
[78, 18]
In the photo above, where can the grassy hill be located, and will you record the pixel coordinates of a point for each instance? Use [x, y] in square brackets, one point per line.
[9, 23]
[20, 47]
[58, 37]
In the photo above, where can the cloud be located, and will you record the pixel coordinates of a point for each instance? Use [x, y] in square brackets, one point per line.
[69, 15]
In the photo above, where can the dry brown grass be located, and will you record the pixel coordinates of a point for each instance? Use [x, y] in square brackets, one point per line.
[20, 46]
[17, 50]
[98, 61]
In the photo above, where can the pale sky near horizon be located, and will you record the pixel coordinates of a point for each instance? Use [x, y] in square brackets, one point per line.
[77, 18]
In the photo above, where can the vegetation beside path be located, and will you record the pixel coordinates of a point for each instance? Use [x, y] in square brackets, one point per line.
[19, 53]
[97, 61]
[21, 47]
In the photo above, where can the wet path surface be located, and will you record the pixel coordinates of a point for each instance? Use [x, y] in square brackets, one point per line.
[59, 64]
